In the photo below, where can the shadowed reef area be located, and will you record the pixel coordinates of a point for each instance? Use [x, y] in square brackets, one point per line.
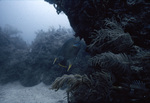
[117, 34]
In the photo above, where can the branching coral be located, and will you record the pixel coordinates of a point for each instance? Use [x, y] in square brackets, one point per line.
[110, 61]
[73, 81]
[117, 64]
[110, 38]
[97, 87]
[102, 82]
[98, 92]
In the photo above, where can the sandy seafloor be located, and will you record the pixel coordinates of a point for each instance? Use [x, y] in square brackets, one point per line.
[16, 93]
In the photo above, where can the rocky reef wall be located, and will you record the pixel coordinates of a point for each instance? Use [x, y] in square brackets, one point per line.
[117, 34]
[85, 16]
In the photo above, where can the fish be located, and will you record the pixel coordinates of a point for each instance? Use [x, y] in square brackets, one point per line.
[68, 52]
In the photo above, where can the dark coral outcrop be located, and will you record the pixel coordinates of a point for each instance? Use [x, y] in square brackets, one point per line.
[85, 16]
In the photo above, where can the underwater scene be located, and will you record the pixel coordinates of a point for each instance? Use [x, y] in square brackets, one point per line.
[103, 58]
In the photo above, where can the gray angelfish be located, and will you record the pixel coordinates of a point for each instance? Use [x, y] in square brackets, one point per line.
[69, 52]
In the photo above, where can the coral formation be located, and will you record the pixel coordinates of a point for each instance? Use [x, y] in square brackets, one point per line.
[98, 86]
[110, 61]
[113, 69]
[117, 35]
[73, 81]
[85, 16]
[110, 38]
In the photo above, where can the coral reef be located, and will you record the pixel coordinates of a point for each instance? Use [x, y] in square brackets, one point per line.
[85, 16]
[118, 64]
[32, 64]
[73, 81]
[97, 87]
[117, 37]
[114, 68]
[107, 38]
